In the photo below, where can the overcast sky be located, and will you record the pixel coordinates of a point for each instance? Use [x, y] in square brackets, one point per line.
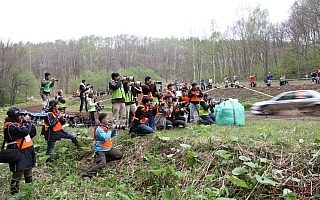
[45, 20]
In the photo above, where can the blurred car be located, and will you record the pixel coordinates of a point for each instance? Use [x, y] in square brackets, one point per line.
[305, 101]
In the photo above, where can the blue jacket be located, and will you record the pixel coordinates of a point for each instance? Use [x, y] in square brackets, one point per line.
[102, 136]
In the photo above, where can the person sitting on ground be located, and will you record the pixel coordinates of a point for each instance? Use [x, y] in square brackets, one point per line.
[61, 101]
[166, 110]
[283, 80]
[205, 115]
[53, 129]
[179, 110]
[144, 112]
[184, 98]
[237, 84]
[103, 150]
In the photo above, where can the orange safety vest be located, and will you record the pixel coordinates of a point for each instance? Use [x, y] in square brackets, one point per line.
[104, 144]
[27, 142]
[185, 98]
[143, 119]
[56, 127]
[194, 98]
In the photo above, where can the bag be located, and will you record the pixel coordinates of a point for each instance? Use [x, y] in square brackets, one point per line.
[133, 127]
[229, 112]
[9, 155]
[160, 121]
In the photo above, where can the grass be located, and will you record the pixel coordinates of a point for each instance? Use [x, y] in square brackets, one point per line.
[266, 159]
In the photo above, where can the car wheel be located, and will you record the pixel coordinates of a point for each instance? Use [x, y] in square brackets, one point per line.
[266, 110]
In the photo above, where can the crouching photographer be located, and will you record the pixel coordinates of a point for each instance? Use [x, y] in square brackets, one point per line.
[103, 151]
[184, 98]
[52, 129]
[178, 114]
[165, 118]
[206, 117]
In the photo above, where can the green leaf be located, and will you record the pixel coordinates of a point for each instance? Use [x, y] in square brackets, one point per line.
[223, 154]
[156, 171]
[239, 170]
[252, 165]
[224, 198]
[244, 158]
[301, 140]
[164, 138]
[238, 182]
[265, 180]
[317, 140]
[170, 155]
[264, 160]
[234, 139]
[295, 180]
[185, 146]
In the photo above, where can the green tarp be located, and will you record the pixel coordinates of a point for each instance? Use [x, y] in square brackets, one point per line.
[230, 112]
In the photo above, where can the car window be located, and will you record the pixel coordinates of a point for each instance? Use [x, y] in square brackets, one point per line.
[288, 96]
[303, 95]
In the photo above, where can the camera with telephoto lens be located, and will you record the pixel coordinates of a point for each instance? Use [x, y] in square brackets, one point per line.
[55, 79]
[136, 83]
[181, 104]
[158, 82]
[116, 126]
[67, 116]
[128, 78]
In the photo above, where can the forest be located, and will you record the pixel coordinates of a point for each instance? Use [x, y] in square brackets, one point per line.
[252, 44]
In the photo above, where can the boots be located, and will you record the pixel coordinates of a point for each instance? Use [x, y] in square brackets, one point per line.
[28, 179]
[75, 142]
[14, 187]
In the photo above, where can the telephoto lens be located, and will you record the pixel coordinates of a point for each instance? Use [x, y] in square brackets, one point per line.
[118, 126]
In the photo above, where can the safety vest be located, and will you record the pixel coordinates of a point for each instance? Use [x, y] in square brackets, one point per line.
[143, 119]
[185, 98]
[27, 142]
[91, 104]
[56, 127]
[202, 111]
[47, 87]
[104, 144]
[195, 98]
[61, 105]
[118, 93]
[128, 97]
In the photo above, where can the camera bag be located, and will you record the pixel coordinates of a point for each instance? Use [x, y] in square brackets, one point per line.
[10, 155]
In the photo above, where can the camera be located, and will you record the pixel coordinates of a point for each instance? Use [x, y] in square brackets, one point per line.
[162, 104]
[158, 82]
[137, 83]
[55, 79]
[67, 116]
[128, 78]
[117, 126]
[181, 104]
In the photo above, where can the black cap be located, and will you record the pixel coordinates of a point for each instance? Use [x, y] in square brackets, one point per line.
[52, 103]
[13, 112]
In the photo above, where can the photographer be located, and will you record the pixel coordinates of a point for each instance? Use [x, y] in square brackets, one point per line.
[103, 151]
[136, 91]
[18, 132]
[205, 115]
[149, 89]
[117, 96]
[170, 90]
[184, 98]
[92, 107]
[194, 94]
[179, 110]
[45, 88]
[145, 111]
[129, 101]
[165, 111]
[61, 101]
[83, 89]
[53, 129]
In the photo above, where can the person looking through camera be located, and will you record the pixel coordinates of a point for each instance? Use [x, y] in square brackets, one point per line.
[165, 111]
[92, 107]
[53, 129]
[103, 150]
[83, 88]
[117, 97]
[130, 102]
[18, 132]
[45, 88]
[170, 91]
[184, 98]
[61, 101]
[206, 117]
[145, 111]
[149, 89]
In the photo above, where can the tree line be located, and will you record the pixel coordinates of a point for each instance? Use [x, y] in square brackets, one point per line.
[252, 44]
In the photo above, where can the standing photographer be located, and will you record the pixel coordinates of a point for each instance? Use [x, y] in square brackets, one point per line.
[149, 89]
[117, 97]
[53, 128]
[103, 151]
[45, 88]
[18, 133]
[83, 89]
[61, 101]
[194, 94]
[130, 102]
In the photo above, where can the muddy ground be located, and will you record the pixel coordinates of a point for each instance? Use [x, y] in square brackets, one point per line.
[242, 94]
